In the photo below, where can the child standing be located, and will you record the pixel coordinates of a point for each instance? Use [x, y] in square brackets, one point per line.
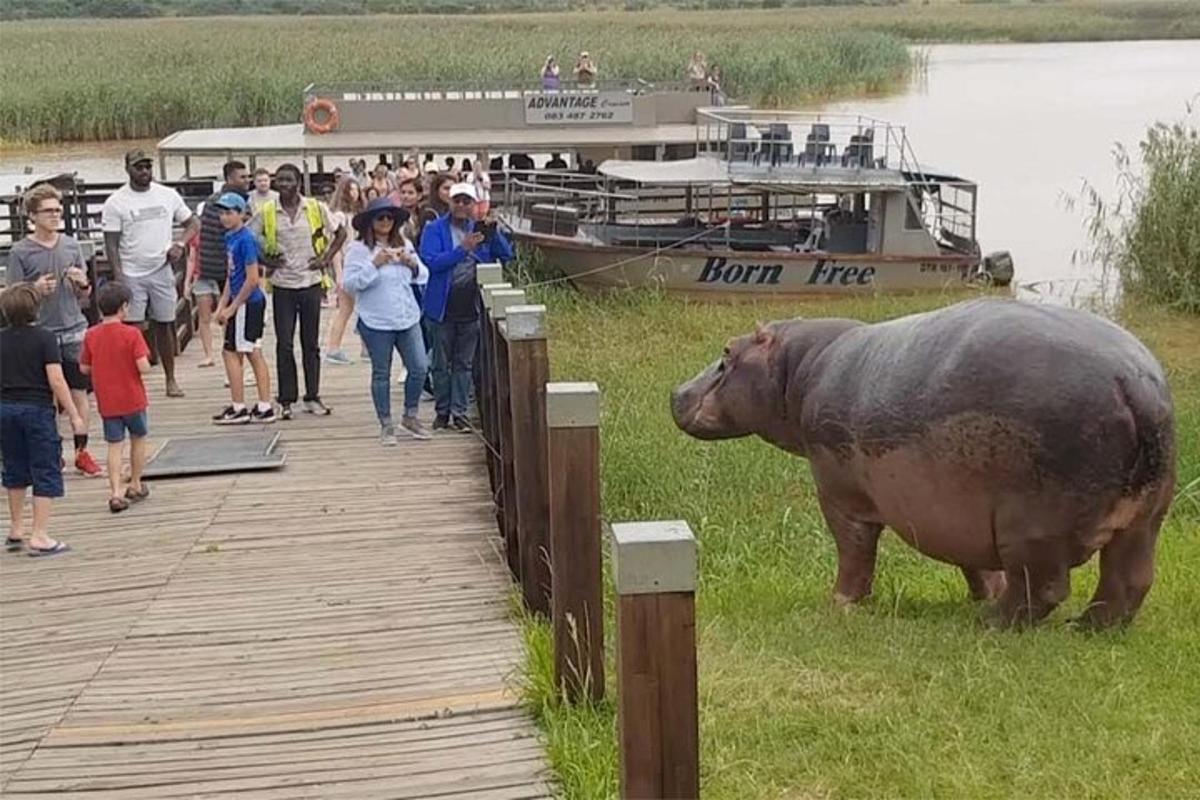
[116, 356]
[31, 381]
[242, 310]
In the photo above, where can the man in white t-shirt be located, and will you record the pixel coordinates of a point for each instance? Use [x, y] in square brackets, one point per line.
[139, 238]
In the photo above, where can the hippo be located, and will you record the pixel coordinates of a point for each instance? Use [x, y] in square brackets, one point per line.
[1010, 439]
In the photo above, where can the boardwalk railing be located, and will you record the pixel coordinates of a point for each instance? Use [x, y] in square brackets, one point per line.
[543, 459]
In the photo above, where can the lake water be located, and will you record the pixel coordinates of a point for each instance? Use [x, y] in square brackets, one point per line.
[1028, 122]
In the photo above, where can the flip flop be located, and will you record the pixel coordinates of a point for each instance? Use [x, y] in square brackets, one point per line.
[117, 504]
[206, 364]
[12, 545]
[52, 550]
[135, 497]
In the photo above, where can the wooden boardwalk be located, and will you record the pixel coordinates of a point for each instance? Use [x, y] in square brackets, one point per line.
[339, 628]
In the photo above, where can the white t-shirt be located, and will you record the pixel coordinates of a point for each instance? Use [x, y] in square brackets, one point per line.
[145, 221]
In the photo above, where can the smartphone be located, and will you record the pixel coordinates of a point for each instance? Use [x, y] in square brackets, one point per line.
[488, 229]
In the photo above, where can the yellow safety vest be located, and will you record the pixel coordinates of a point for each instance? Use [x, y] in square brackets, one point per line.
[270, 211]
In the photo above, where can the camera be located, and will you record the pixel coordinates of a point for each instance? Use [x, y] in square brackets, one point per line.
[488, 228]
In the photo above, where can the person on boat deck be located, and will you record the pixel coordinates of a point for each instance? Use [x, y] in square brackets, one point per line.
[550, 78]
[347, 201]
[381, 268]
[53, 263]
[556, 162]
[451, 246]
[697, 71]
[585, 70]
[298, 239]
[714, 84]
[214, 261]
[139, 239]
[262, 190]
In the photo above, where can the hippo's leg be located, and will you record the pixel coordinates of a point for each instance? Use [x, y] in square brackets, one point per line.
[1126, 573]
[1032, 592]
[984, 584]
[857, 543]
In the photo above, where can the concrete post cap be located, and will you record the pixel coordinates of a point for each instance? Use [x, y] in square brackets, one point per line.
[504, 299]
[526, 322]
[654, 557]
[572, 405]
[488, 273]
[486, 292]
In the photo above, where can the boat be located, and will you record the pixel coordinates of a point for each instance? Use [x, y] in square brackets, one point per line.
[772, 202]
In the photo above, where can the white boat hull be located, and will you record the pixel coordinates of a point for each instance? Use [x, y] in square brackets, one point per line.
[729, 272]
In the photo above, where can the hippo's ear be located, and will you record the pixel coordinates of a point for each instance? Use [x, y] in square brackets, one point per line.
[762, 334]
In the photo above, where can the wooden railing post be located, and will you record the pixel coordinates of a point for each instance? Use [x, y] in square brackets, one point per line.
[485, 390]
[573, 467]
[654, 566]
[528, 371]
[502, 299]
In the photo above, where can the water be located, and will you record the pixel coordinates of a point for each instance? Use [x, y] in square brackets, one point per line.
[1028, 122]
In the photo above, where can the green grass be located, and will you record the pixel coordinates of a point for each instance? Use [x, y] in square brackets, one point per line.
[104, 79]
[909, 696]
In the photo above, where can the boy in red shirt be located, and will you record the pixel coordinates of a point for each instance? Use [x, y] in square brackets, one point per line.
[116, 356]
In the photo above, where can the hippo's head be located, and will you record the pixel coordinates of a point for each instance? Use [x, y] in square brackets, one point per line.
[739, 394]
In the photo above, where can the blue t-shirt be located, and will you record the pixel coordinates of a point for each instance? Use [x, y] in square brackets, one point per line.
[243, 251]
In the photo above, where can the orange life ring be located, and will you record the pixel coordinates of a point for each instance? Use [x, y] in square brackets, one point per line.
[332, 118]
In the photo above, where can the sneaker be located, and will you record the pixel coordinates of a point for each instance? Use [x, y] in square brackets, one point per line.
[461, 425]
[441, 422]
[86, 465]
[387, 436]
[285, 411]
[415, 427]
[317, 407]
[338, 357]
[232, 416]
[265, 415]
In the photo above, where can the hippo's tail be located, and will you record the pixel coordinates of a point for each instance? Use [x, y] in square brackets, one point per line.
[1153, 457]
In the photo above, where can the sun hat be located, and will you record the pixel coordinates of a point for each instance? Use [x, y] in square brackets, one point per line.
[463, 189]
[231, 201]
[378, 207]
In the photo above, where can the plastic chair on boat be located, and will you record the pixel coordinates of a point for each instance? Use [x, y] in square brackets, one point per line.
[739, 142]
[817, 148]
[860, 151]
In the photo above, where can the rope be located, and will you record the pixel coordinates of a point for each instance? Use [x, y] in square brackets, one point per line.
[723, 226]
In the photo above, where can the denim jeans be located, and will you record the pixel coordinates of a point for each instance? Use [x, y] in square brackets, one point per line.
[454, 346]
[411, 346]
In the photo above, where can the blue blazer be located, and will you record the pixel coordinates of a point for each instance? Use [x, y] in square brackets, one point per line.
[440, 254]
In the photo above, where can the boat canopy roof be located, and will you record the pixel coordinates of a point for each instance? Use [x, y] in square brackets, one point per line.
[713, 171]
[292, 139]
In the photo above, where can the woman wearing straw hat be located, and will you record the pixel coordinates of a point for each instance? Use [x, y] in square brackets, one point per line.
[380, 270]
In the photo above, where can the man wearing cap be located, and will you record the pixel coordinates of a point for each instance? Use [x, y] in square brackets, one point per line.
[214, 260]
[585, 70]
[138, 222]
[451, 246]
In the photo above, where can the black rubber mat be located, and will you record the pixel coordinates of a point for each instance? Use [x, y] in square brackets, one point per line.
[234, 451]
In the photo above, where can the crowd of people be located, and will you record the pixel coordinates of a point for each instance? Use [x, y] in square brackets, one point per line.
[399, 247]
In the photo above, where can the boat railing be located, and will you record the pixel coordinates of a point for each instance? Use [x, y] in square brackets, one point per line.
[797, 140]
[483, 89]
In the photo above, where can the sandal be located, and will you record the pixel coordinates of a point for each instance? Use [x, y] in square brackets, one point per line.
[13, 544]
[52, 550]
[135, 497]
[117, 504]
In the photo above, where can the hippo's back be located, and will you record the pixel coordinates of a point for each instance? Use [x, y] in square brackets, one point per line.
[1007, 385]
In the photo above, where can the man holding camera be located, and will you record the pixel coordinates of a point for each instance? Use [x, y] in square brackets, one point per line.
[451, 246]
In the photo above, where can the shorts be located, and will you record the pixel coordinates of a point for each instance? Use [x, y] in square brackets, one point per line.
[208, 286]
[154, 293]
[245, 329]
[138, 425]
[76, 380]
[32, 449]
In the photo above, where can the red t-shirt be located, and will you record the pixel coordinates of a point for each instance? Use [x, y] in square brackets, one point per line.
[113, 349]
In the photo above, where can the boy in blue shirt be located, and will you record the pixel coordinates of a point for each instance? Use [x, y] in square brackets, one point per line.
[241, 310]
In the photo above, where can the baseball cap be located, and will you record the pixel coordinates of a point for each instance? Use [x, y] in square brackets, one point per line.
[463, 189]
[134, 156]
[231, 201]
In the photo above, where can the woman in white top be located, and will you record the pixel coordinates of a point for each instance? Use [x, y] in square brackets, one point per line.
[345, 204]
[483, 186]
[381, 268]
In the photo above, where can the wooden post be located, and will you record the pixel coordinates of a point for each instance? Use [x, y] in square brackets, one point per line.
[507, 516]
[573, 467]
[485, 371]
[654, 566]
[528, 371]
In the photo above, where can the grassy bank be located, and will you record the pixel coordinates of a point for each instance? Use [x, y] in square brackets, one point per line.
[101, 79]
[909, 696]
